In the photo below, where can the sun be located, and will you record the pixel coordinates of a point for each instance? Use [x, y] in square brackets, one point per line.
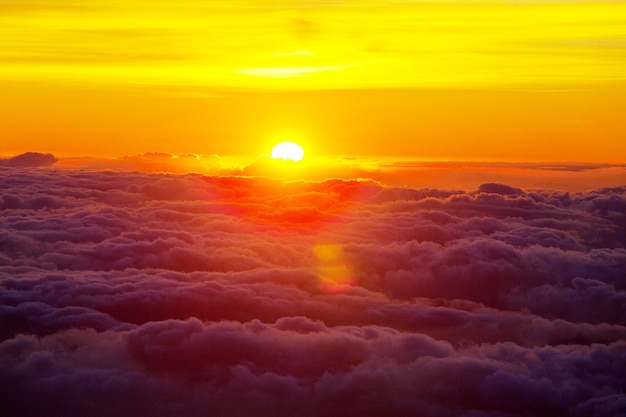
[288, 151]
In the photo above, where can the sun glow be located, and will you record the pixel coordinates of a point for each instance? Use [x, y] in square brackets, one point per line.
[288, 151]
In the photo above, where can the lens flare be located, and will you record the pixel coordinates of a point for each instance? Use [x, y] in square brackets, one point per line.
[334, 273]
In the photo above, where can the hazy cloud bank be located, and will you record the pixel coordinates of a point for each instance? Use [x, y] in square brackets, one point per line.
[465, 175]
[163, 295]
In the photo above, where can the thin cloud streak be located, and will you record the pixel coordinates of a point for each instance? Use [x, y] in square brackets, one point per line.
[421, 43]
[466, 175]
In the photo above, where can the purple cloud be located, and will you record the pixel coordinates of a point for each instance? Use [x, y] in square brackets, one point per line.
[30, 159]
[159, 295]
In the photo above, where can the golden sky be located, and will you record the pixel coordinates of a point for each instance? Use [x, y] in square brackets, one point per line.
[510, 80]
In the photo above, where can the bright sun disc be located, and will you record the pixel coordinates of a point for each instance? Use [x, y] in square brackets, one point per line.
[288, 151]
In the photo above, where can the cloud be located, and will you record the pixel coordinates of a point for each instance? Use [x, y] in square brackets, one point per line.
[160, 294]
[30, 159]
[451, 175]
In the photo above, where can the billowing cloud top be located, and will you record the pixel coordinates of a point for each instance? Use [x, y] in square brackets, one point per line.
[160, 295]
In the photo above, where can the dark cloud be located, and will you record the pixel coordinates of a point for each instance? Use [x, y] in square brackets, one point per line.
[499, 189]
[30, 159]
[161, 295]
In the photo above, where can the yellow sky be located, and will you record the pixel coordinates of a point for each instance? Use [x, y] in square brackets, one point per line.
[440, 79]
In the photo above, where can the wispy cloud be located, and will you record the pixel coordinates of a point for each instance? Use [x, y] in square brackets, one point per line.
[287, 72]
[421, 43]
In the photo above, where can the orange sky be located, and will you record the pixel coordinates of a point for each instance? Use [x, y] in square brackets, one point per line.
[471, 80]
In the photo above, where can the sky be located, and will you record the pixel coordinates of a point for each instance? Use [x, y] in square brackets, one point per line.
[464, 80]
[452, 244]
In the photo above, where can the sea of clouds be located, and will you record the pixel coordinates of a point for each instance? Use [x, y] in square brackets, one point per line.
[185, 295]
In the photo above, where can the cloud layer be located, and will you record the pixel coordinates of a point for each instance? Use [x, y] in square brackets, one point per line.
[466, 175]
[162, 295]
